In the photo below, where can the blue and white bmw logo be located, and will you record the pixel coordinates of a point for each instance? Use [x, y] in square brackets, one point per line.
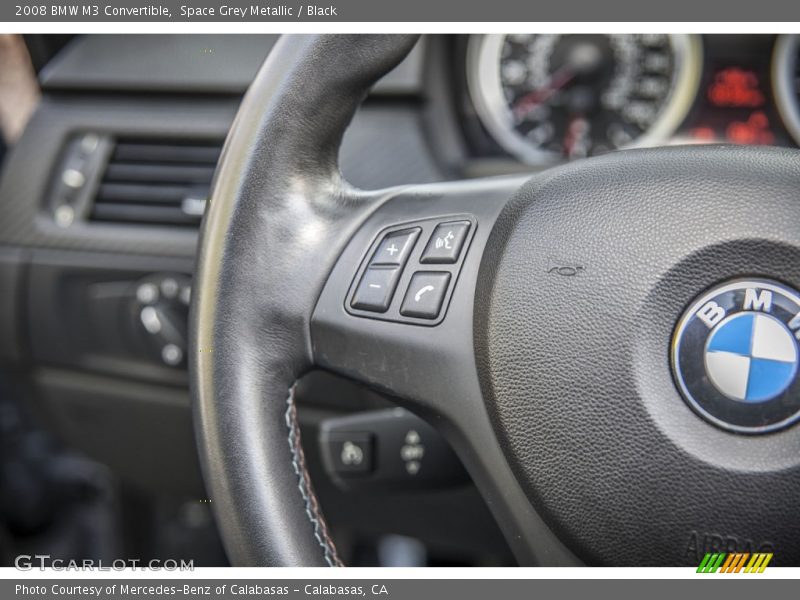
[735, 355]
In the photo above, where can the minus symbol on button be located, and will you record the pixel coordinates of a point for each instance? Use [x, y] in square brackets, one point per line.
[375, 286]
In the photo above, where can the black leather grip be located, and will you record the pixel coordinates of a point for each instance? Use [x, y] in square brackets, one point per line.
[278, 218]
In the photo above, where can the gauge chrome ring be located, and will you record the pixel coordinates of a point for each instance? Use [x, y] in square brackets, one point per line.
[784, 64]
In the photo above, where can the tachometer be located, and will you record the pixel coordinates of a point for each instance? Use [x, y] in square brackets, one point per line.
[546, 98]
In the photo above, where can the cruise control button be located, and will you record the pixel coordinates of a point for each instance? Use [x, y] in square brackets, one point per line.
[374, 292]
[425, 295]
[395, 247]
[445, 244]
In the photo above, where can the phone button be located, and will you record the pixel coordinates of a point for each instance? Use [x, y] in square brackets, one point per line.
[425, 294]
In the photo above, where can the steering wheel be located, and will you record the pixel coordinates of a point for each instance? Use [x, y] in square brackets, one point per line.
[531, 320]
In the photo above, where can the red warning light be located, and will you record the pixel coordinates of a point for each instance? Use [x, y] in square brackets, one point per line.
[753, 131]
[735, 87]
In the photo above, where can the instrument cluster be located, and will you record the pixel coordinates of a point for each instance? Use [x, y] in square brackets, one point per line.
[544, 98]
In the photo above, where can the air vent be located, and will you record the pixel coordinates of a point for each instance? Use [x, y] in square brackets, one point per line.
[156, 182]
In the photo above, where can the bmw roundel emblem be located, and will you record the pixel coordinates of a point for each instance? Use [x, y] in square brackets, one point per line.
[735, 355]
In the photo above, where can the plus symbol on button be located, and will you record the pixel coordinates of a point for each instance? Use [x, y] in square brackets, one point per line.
[392, 249]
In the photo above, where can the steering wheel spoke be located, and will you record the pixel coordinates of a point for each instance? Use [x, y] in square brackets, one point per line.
[396, 310]
[397, 314]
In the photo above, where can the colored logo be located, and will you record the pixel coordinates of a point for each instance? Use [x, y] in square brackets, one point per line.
[751, 357]
[735, 356]
[734, 562]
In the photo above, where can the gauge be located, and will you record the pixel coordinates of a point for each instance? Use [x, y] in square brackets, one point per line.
[546, 98]
[786, 82]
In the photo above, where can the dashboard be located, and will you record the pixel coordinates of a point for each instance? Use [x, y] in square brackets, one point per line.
[102, 197]
[543, 99]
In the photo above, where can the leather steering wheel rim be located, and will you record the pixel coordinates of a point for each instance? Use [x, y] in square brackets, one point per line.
[277, 198]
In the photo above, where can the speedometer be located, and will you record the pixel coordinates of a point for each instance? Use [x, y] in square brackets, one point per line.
[546, 98]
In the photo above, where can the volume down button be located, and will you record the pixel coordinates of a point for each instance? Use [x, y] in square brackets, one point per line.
[376, 288]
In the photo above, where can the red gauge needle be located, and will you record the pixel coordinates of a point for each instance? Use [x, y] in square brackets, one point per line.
[542, 94]
[575, 131]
